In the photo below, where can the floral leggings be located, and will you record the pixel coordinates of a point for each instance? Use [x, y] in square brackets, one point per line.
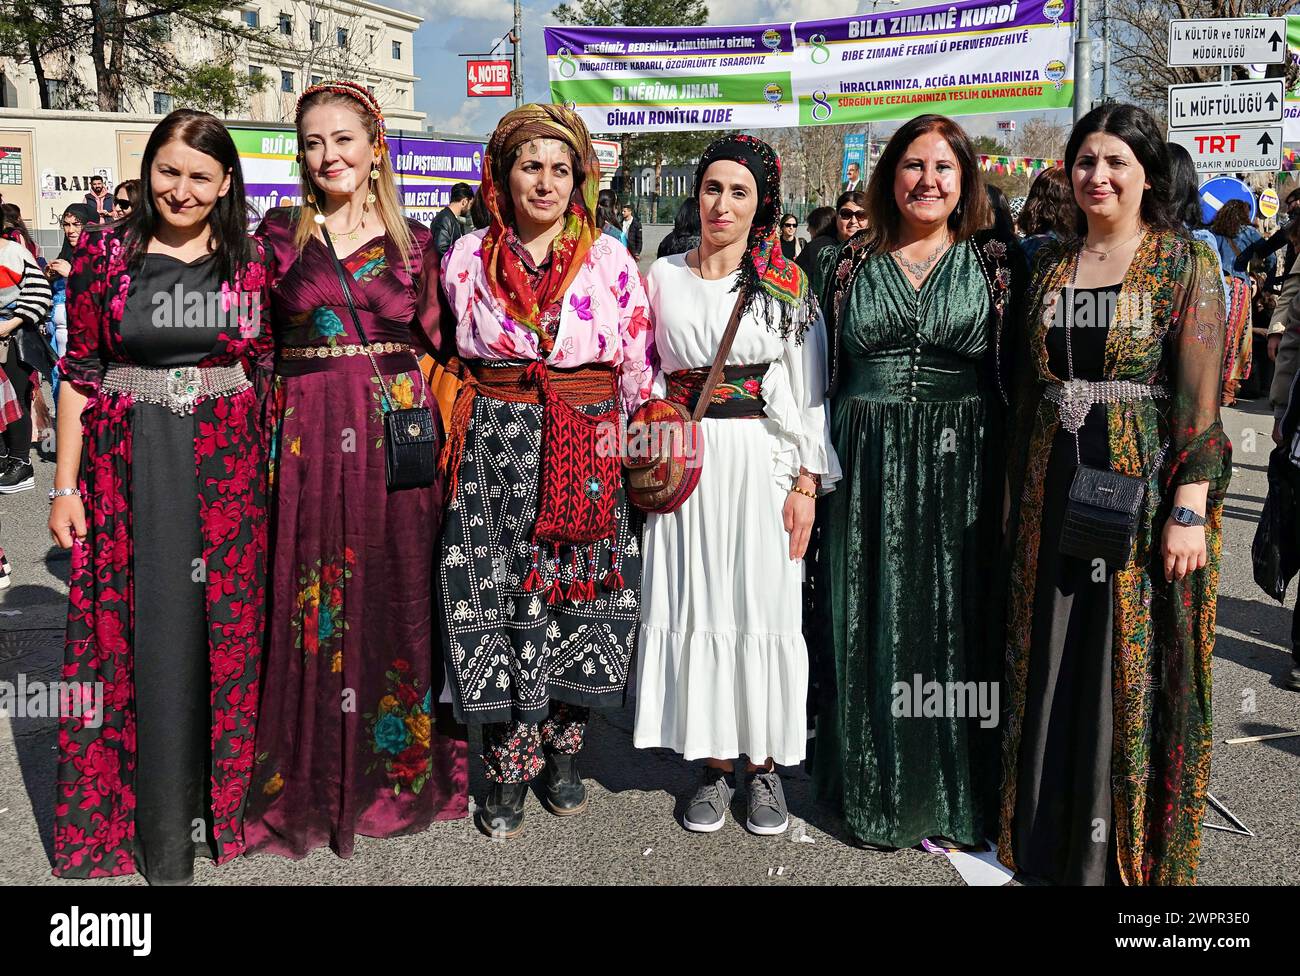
[513, 752]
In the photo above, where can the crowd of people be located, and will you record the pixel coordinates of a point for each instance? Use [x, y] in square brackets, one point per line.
[370, 497]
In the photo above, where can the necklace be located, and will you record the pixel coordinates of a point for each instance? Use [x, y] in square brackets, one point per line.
[352, 234]
[1102, 255]
[918, 269]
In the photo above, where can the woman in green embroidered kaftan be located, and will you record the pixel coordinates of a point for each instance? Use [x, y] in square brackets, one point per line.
[910, 537]
[1107, 741]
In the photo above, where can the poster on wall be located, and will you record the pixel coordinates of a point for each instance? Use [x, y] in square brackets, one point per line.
[969, 57]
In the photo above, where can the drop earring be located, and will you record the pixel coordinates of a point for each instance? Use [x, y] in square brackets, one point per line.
[318, 216]
[374, 178]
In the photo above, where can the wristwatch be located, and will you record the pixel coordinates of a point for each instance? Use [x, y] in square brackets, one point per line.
[1185, 516]
[60, 492]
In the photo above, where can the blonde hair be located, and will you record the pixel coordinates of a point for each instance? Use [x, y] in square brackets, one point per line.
[388, 203]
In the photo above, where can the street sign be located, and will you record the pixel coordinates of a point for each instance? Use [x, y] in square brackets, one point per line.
[1236, 103]
[1227, 40]
[1268, 203]
[608, 153]
[1216, 193]
[488, 79]
[1232, 149]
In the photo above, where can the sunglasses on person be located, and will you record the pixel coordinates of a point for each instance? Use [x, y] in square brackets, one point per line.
[848, 215]
[790, 223]
[122, 203]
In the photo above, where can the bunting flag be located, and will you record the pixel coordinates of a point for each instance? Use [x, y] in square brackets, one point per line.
[1290, 160]
[1015, 165]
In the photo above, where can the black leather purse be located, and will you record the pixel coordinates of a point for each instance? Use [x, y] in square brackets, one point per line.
[1103, 507]
[410, 436]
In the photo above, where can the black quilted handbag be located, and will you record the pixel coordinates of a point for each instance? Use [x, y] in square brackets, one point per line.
[1101, 516]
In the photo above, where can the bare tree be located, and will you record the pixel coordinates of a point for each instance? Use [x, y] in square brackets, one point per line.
[1140, 45]
[1041, 138]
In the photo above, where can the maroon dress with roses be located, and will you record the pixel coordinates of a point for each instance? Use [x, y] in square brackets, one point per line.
[354, 739]
[166, 590]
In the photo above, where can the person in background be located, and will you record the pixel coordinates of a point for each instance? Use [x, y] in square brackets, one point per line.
[607, 216]
[478, 214]
[15, 229]
[632, 232]
[24, 303]
[447, 226]
[821, 233]
[1286, 236]
[126, 198]
[99, 200]
[1049, 213]
[686, 230]
[1234, 234]
[820, 220]
[1003, 221]
[1284, 328]
[855, 183]
[791, 245]
[850, 218]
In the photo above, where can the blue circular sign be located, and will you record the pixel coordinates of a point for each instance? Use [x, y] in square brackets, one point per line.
[1215, 193]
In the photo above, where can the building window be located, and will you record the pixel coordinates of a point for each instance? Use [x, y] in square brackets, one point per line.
[249, 17]
[370, 88]
[286, 81]
[372, 42]
[401, 95]
[342, 37]
[58, 90]
[163, 25]
[286, 24]
[313, 30]
[254, 73]
[397, 50]
[316, 79]
[162, 103]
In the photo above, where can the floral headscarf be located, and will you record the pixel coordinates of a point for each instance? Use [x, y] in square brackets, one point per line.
[506, 276]
[764, 271]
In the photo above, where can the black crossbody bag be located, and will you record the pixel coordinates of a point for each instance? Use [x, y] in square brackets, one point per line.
[410, 435]
[1103, 507]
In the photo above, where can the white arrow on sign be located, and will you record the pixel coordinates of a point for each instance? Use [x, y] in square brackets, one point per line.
[1227, 40]
[481, 89]
[1257, 102]
[1232, 149]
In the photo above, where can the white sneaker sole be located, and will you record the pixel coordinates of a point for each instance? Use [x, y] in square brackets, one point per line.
[754, 828]
[21, 486]
[700, 828]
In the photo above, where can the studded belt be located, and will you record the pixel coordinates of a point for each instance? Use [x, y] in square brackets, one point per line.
[333, 352]
[1076, 397]
[178, 388]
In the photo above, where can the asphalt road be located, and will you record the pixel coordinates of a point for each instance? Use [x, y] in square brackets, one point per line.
[630, 834]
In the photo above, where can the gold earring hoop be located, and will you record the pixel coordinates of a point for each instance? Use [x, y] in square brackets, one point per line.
[374, 178]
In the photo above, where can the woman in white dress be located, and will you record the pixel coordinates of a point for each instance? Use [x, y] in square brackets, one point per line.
[722, 667]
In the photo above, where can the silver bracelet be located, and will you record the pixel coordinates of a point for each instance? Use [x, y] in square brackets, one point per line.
[63, 493]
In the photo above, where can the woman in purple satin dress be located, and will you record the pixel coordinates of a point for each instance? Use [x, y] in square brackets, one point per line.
[353, 738]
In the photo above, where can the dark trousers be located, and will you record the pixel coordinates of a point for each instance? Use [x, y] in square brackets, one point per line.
[17, 436]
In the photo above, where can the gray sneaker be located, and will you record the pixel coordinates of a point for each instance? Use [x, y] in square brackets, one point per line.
[767, 811]
[708, 807]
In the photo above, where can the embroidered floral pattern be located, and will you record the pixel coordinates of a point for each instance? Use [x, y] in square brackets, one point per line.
[515, 752]
[400, 730]
[318, 623]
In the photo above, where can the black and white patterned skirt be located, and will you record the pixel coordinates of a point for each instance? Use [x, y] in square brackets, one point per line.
[510, 651]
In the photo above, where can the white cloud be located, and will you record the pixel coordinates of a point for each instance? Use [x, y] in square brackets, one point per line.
[437, 12]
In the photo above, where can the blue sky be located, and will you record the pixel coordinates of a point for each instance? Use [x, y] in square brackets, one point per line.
[453, 26]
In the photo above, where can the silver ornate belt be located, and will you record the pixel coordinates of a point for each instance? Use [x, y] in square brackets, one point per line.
[178, 388]
[1076, 397]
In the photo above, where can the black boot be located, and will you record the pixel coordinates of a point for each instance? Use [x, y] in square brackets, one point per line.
[563, 791]
[502, 814]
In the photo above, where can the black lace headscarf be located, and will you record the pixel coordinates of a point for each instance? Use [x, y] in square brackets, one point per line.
[765, 274]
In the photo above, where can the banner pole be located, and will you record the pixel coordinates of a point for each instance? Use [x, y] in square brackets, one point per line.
[1082, 64]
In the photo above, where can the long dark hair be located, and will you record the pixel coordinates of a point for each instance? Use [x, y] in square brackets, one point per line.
[1001, 207]
[1138, 130]
[228, 221]
[606, 208]
[1050, 206]
[13, 219]
[971, 214]
[821, 221]
[1184, 187]
[687, 221]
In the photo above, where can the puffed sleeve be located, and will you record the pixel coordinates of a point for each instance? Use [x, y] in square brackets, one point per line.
[638, 366]
[1199, 449]
[435, 324]
[804, 418]
[80, 364]
[34, 298]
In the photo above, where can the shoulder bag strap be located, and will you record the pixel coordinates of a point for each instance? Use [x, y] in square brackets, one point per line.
[715, 372]
[356, 321]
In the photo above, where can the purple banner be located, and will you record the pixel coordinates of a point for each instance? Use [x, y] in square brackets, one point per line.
[655, 42]
[948, 18]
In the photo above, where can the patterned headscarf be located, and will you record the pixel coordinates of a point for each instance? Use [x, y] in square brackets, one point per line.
[764, 271]
[352, 90]
[507, 278]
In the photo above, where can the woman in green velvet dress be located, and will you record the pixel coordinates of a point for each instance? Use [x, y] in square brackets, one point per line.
[917, 305]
